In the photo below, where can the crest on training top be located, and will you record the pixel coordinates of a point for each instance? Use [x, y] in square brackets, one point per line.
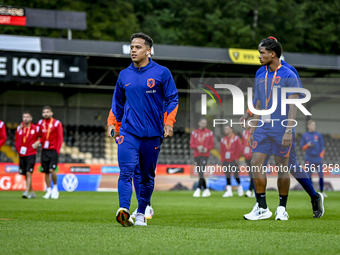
[151, 83]
[277, 79]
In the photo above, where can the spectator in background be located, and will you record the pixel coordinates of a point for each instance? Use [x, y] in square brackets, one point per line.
[247, 155]
[313, 144]
[231, 150]
[202, 141]
[25, 137]
[3, 133]
[51, 138]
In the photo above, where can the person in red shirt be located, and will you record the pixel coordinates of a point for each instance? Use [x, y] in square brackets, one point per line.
[3, 133]
[202, 141]
[231, 150]
[247, 154]
[51, 138]
[25, 137]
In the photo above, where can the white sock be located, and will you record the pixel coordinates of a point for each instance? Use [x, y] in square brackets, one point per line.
[48, 190]
[55, 187]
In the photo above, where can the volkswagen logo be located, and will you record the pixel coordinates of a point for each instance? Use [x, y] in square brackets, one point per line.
[70, 182]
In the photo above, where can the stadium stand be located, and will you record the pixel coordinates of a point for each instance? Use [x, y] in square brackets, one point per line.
[84, 144]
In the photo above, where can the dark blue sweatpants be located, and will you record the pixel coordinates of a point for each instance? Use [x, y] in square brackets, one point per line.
[132, 151]
[317, 167]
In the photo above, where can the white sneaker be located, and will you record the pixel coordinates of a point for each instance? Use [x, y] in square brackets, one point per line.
[258, 213]
[206, 193]
[148, 212]
[240, 190]
[55, 194]
[140, 220]
[281, 213]
[197, 193]
[324, 194]
[31, 195]
[47, 195]
[123, 217]
[24, 195]
[229, 192]
[133, 215]
[248, 193]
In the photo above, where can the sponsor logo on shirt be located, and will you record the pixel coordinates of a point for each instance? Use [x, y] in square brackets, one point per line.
[151, 91]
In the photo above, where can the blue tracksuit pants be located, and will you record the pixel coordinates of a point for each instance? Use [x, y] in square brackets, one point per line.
[134, 151]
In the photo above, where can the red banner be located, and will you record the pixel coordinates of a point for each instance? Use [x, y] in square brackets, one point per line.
[16, 181]
[12, 20]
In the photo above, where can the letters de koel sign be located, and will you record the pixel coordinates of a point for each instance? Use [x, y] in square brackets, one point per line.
[27, 67]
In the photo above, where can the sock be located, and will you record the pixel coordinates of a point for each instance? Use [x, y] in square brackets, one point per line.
[238, 180]
[149, 204]
[201, 183]
[321, 184]
[251, 185]
[261, 199]
[254, 187]
[204, 184]
[315, 197]
[55, 187]
[48, 190]
[283, 200]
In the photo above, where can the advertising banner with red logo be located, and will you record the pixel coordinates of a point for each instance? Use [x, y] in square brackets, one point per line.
[16, 181]
[81, 177]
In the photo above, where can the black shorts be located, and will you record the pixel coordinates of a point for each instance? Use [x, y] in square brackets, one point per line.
[201, 162]
[49, 160]
[231, 167]
[26, 164]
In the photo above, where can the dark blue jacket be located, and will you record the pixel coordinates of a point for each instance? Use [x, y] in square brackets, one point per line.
[144, 99]
[315, 153]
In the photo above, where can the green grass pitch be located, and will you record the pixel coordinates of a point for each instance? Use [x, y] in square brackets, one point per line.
[84, 223]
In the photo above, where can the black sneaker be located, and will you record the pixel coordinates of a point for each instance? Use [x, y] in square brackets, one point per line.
[318, 208]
